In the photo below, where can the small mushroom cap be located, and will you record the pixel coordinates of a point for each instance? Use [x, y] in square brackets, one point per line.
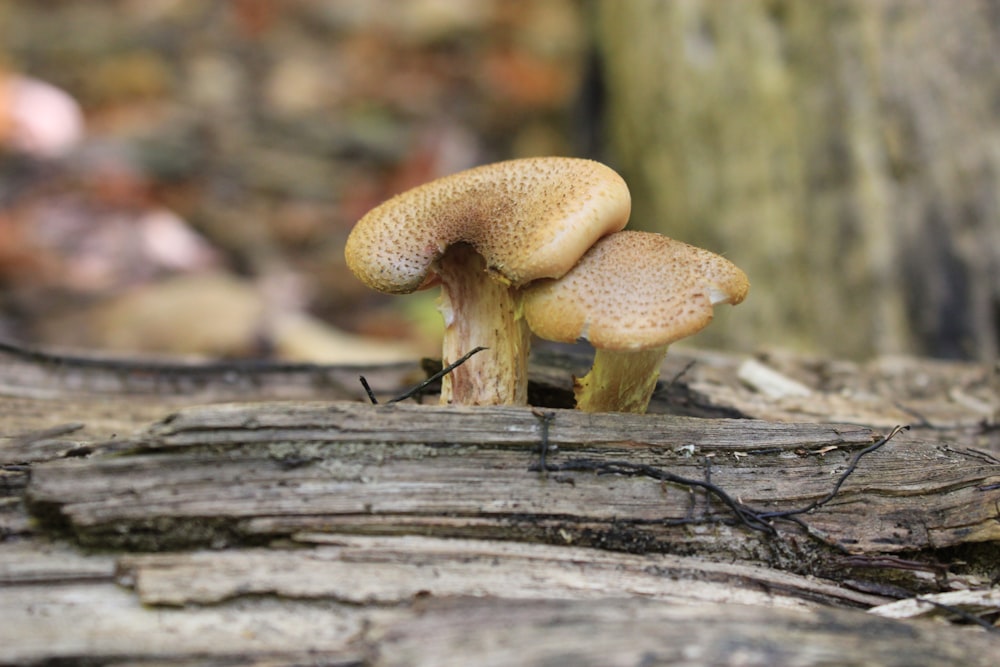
[530, 218]
[633, 291]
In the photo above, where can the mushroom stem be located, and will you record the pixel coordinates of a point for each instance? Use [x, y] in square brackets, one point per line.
[479, 310]
[620, 380]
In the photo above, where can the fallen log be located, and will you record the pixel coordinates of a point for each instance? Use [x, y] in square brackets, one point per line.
[322, 530]
[248, 474]
[380, 601]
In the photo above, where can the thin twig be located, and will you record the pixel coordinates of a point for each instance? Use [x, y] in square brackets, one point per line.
[851, 467]
[368, 389]
[681, 373]
[961, 613]
[437, 376]
[154, 366]
[742, 512]
[426, 383]
[748, 516]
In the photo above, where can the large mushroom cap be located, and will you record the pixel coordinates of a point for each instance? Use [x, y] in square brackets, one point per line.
[632, 291]
[529, 219]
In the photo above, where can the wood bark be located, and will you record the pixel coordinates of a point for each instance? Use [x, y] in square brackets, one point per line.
[253, 472]
[844, 154]
[177, 522]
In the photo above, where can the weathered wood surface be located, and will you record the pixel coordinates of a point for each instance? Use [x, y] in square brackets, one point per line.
[462, 631]
[426, 601]
[337, 532]
[639, 632]
[883, 392]
[361, 569]
[240, 473]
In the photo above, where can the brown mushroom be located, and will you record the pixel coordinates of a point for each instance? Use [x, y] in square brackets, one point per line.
[482, 234]
[631, 295]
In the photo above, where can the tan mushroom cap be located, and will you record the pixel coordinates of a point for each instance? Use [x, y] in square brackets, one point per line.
[529, 218]
[632, 291]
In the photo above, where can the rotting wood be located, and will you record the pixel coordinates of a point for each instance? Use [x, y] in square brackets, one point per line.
[252, 473]
[100, 623]
[961, 604]
[348, 422]
[27, 372]
[337, 517]
[413, 600]
[390, 570]
[30, 562]
[103, 623]
[643, 632]
[883, 392]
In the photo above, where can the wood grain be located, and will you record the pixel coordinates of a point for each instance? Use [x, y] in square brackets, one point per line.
[156, 527]
[242, 473]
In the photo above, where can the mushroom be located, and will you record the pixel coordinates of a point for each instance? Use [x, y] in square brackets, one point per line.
[482, 234]
[631, 295]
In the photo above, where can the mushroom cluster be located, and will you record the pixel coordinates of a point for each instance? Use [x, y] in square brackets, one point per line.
[538, 243]
[631, 295]
[482, 234]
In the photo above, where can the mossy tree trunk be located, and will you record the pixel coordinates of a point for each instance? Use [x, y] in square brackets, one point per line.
[845, 154]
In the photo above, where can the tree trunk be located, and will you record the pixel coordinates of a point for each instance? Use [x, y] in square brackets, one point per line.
[845, 154]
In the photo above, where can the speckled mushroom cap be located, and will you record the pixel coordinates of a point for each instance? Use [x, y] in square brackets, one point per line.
[632, 291]
[530, 218]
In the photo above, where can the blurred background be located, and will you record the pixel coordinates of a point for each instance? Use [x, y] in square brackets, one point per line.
[180, 176]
